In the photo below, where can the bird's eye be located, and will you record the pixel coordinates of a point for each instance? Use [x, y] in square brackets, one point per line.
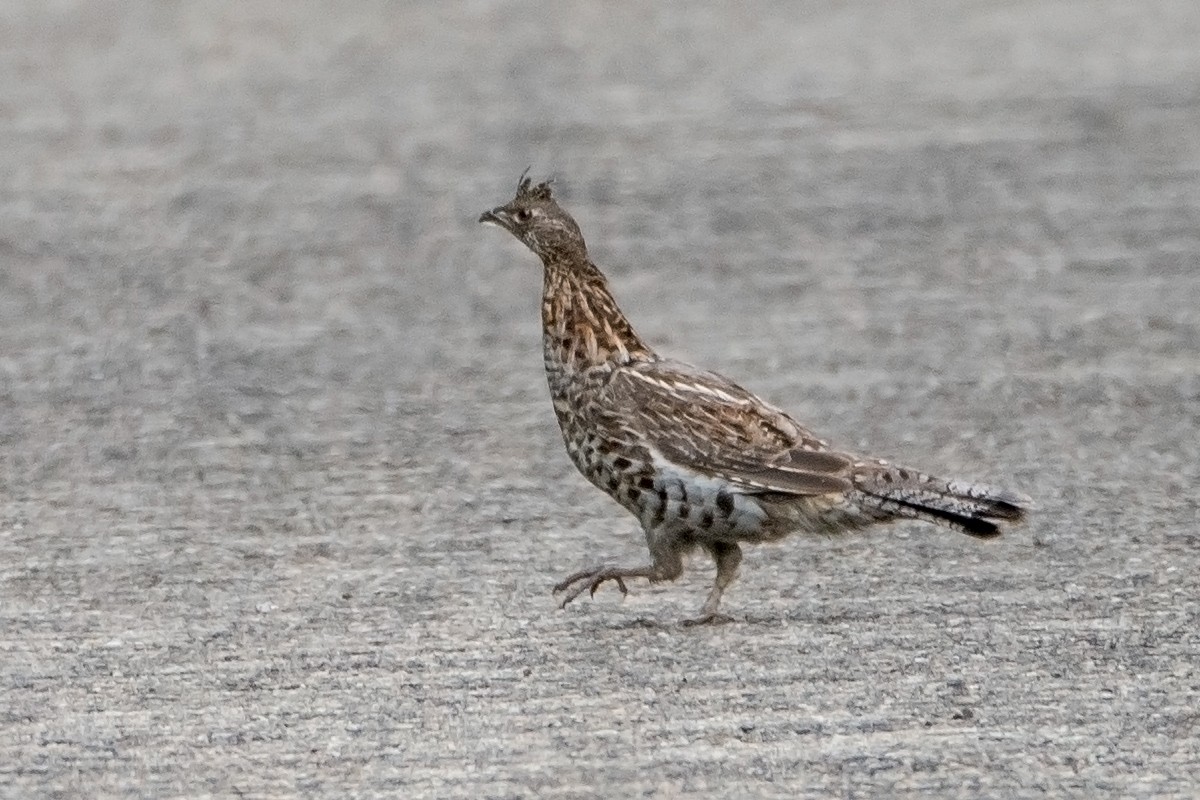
[523, 215]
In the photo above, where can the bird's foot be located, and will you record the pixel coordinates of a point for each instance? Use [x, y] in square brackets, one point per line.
[707, 618]
[589, 580]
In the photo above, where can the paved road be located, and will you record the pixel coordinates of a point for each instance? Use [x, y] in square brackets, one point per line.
[281, 495]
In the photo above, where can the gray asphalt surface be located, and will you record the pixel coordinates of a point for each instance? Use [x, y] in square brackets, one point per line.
[282, 496]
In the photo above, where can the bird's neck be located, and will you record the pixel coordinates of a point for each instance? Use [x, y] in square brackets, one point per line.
[581, 323]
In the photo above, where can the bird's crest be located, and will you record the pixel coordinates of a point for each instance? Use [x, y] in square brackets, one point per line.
[527, 191]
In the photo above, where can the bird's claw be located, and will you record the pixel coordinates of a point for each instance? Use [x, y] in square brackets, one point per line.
[619, 580]
[589, 580]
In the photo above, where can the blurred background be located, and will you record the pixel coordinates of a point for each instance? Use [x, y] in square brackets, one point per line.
[282, 496]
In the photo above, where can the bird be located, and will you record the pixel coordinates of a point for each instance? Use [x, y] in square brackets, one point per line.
[702, 463]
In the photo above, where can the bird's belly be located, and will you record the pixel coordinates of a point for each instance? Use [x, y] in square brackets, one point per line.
[660, 493]
[707, 507]
[715, 509]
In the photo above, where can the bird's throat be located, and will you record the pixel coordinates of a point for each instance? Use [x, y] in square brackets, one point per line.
[582, 325]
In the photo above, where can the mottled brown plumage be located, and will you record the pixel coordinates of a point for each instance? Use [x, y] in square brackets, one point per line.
[700, 461]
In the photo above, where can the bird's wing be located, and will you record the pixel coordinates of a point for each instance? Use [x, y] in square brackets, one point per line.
[707, 423]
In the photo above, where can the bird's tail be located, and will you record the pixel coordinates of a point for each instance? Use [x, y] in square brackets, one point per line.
[972, 508]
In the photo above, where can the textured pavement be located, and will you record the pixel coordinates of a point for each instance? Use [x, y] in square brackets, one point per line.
[282, 496]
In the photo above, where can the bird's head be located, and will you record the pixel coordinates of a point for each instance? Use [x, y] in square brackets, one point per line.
[537, 220]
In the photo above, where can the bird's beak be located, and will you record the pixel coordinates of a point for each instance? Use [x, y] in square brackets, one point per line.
[497, 217]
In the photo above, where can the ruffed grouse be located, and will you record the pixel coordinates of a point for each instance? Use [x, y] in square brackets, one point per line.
[700, 461]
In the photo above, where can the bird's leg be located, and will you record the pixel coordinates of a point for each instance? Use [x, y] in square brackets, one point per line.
[728, 556]
[667, 566]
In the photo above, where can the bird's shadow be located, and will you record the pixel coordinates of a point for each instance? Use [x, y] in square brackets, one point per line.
[685, 625]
